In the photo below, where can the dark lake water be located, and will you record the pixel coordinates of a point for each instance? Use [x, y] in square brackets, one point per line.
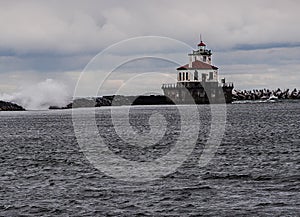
[255, 171]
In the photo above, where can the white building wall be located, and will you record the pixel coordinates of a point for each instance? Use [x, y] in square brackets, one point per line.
[200, 72]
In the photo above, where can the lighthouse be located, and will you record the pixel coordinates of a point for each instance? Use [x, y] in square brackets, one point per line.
[198, 79]
[199, 67]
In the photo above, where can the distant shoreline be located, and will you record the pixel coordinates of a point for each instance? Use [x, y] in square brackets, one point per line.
[119, 100]
[9, 106]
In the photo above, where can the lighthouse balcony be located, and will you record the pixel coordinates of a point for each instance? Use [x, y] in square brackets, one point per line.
[187, 84]
[228, 85]
[202, 51]
[191, 85]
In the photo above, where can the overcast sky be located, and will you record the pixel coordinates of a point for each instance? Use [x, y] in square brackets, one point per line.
[255, 43]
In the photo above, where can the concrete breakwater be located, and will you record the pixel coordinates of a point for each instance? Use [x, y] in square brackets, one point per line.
[264, 94]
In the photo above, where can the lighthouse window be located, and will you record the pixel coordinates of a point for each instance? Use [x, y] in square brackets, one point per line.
[204, 77]
[179, 77]
[196, 75]
[187, 76]
[211, 75]
[204, 58]
[183, 77]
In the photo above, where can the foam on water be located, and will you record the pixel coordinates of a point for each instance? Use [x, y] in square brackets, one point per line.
[40, 96]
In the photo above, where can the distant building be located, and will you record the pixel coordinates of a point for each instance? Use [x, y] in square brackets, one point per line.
[198, 81]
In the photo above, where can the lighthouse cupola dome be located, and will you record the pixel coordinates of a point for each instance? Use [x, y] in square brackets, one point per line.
[201, 44]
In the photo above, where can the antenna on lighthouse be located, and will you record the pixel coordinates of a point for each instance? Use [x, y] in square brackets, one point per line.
[200, 37]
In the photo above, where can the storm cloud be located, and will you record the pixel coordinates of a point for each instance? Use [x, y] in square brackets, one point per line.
[252, 41]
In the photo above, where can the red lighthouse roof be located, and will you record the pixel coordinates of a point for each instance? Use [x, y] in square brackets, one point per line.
[201, 44]
[197, 65]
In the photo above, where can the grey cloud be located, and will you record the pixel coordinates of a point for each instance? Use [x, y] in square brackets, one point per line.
[43, 63]
[266, 46]
[83, 26]
[62, 36]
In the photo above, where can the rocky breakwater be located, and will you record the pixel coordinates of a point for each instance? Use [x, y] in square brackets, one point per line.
[264, 94]
[9, 106]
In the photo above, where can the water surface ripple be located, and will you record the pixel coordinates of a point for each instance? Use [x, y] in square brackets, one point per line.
[254, 172]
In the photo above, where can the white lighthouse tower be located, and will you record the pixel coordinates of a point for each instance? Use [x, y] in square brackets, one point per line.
[202, 54]
[199, 65]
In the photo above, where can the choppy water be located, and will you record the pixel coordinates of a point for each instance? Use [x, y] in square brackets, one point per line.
[254, 172]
